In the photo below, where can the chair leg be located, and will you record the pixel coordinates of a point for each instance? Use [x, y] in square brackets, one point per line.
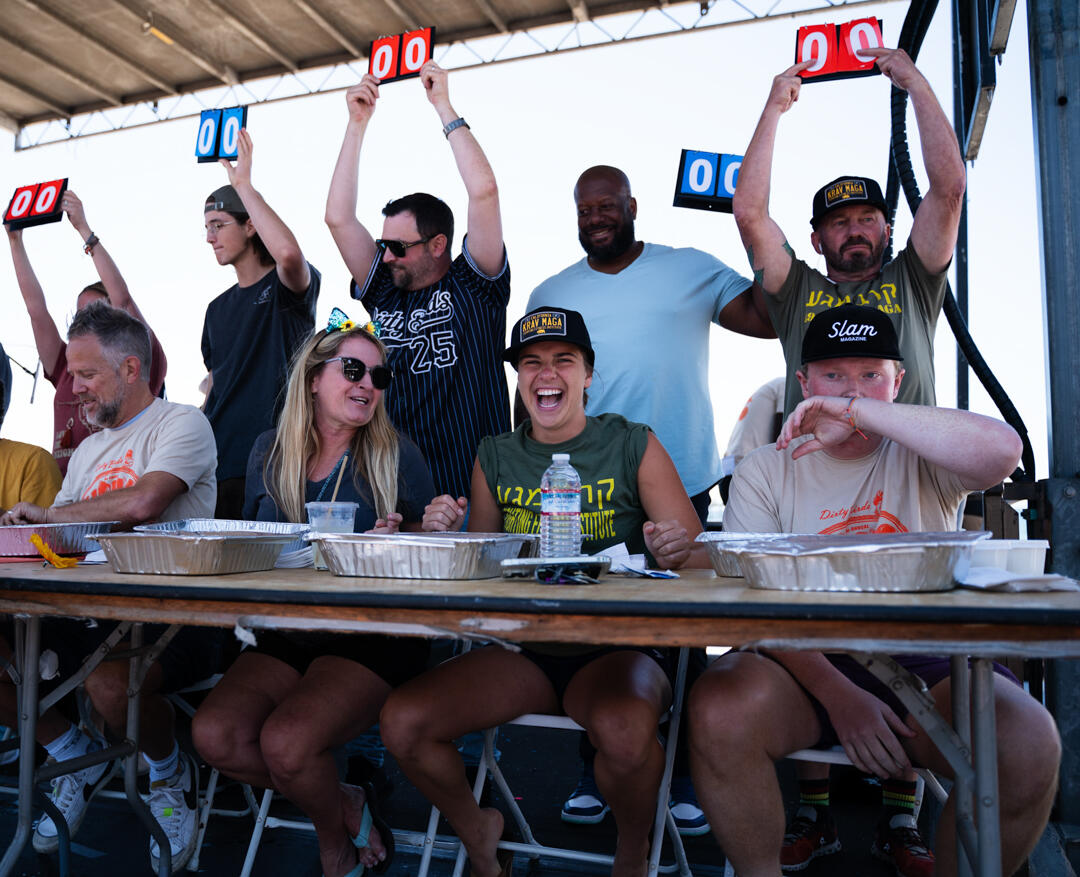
[256, 834]
[669, 763]
[429, 842]
[504, 788]
[204, 819]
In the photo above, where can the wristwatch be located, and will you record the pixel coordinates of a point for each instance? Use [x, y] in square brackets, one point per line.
[453, 126]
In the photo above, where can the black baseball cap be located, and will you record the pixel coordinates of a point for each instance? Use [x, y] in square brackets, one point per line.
[844, 191]
[225, 199]
[851, 330]
[549, 324]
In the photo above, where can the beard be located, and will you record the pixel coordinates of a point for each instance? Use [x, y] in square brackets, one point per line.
[401, 277]
[846, 261]
[621, 241]
[107, 413]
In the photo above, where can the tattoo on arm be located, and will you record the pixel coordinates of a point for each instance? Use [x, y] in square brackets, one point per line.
[759, 273]
[788, 250]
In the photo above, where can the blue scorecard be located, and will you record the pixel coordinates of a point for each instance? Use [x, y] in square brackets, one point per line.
[219, 133]
[706, 180]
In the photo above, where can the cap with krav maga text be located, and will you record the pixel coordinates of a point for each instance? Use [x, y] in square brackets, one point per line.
[549, 324]
[845, 191]
[851, 330]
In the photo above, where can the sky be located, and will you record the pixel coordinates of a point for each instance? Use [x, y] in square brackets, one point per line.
[541, 121]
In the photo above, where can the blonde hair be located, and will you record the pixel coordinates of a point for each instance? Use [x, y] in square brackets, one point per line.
[374, 449]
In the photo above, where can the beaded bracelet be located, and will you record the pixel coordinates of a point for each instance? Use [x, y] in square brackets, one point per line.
[849, 413]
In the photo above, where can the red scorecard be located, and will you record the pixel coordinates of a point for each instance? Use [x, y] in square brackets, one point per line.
[836, 49]
[400, 56]
[35, 204]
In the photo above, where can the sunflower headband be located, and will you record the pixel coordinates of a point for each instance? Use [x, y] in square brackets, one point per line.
[339, 322]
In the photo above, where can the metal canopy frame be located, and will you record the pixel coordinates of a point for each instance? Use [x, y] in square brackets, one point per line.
[286, 77]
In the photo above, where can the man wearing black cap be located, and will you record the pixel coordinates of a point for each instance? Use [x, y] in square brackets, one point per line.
[252, 329]
[850, 461]
[850, 231]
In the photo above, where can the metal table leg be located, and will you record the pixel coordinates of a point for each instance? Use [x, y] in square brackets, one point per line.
[984, 738]
[27, 652]
[963, 788]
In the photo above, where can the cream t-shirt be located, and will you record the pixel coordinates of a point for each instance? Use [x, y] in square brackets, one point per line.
[164, 437]
[890, 490]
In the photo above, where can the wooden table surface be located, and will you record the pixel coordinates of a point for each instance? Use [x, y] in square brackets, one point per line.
[697, 609]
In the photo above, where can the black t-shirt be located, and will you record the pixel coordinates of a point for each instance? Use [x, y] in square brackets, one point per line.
[415, 489]
[249, 335]
[445, 344]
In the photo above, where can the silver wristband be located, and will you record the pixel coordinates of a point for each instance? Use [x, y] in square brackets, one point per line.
[453, 126]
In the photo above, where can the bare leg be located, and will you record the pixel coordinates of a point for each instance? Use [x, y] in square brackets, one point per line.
[227, 725]
[1029, 754]
[334, 701]
[421, 719]
[107, 687]
[746, 712]
[618, 699]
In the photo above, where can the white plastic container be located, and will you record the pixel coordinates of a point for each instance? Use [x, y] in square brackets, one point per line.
[1025, 557]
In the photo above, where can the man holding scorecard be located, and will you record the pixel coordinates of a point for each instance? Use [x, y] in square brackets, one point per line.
[851, 232]
[443, 320]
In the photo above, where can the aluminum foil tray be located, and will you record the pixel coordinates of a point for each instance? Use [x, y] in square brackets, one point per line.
[195, 554]
[720, 544]
[899, 562]
[61, 538]
[214, 526]
[422, 555]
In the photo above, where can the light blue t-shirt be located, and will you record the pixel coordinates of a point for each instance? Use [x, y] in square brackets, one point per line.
[649, 326]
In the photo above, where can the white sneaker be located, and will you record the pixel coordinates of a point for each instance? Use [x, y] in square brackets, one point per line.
[71, 793]
[174, 802]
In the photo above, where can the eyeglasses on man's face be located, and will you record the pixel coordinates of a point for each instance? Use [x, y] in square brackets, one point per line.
[214, 228]
[354, 370]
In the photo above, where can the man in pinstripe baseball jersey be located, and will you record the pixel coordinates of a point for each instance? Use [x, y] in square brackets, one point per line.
[443, 320]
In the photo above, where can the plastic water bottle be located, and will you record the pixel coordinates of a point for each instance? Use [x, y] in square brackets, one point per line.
[560, 509]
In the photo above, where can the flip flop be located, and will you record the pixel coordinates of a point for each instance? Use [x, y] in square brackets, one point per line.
[373, 817]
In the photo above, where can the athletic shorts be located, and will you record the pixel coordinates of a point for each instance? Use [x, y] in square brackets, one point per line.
[394, 659]
[930, 669]
[560, 669]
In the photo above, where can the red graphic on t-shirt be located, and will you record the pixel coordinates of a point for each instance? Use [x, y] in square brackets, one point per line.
[112, 475]
[862, 519]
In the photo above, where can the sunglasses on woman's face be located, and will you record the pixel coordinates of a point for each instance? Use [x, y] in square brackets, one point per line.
[398, 248]
[354, 370]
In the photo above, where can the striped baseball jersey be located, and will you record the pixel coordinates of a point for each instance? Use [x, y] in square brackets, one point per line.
[445, 344]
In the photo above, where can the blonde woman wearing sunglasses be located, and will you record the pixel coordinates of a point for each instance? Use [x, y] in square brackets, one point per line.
[283, 705]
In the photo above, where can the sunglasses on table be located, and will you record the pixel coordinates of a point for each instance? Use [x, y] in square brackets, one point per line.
[398, 248]
[354, 370]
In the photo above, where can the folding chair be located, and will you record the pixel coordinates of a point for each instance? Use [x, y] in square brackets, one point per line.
[489, 766]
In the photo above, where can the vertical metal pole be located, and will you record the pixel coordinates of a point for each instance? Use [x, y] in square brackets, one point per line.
[962, 789]
[961, 262]
[27, 697]
[1054, 47]
[984, 734]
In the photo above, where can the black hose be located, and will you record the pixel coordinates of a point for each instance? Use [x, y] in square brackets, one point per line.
[901, 174]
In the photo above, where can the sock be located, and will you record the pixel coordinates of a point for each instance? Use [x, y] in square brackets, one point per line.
[71, 744]
[898, 800]
[813, 798]
[162, 770]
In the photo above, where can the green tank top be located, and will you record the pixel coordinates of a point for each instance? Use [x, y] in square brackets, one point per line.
[606, 455]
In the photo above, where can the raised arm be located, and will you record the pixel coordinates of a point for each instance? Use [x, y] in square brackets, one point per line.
[934, 228]
[115, 285]
[46, 335]
[767, 248]
[673, 523]
[485, 220]
[354, 242]
[292, 267]
[980, 450]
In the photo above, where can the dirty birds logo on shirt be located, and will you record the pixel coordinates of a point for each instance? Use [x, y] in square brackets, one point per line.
[847, 190]
[425, 331]
[112, 475]
[861, 519]
[542, 323]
